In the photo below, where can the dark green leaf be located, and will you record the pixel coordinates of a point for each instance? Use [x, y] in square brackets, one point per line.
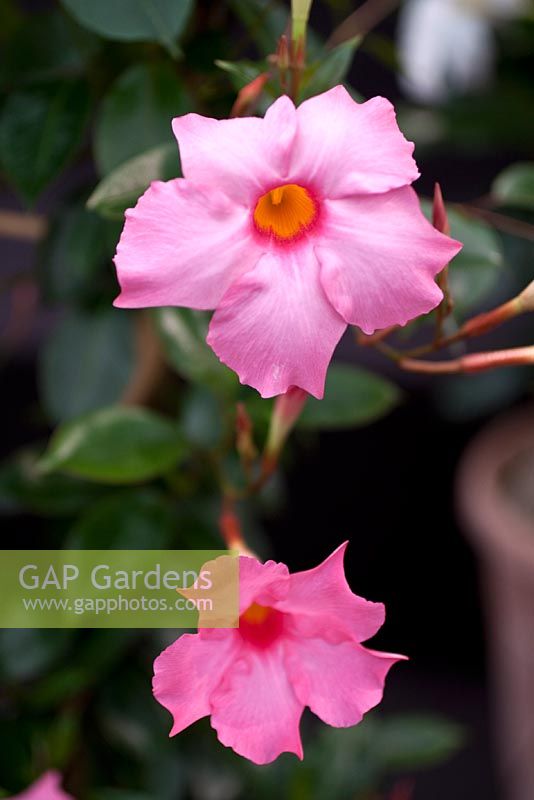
[86, 362]
[409, 742]
[131, 520]
[40, 129]
[476, 270]
[330, 69]
[183, 335]
[124, 185]
[515, 186]
[43, 47]
[24, 488]
[115, 445]
[353, 396]
[27, 653]
[136, 114]
[138, 20]
[201, 417]
[75, 254]
[467, 397]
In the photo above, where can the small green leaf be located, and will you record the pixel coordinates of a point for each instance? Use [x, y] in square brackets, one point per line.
[515, 186]
[115, 445]
[183, 335]
[137, 113]
[330, 69]
[132, 519]
[86, 363]
[353, 397]
[241, 72]
[41, 128]
[124, 185]
[138, 20]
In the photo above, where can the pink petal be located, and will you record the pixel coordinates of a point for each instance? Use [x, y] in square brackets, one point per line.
[275, 326]
[255, 710]
[48, 787]
[182, 246]
[322, 603]
[379, 256]
[343, 147]
[339, 682]
[242, 157]
[186, 673]
[261, 583]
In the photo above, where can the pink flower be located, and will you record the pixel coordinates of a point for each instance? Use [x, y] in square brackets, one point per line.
[297, 645]
[290, 227]
[48, 787]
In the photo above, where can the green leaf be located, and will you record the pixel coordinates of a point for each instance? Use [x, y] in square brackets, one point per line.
[137, 20]
[515, 186]
[183, 335]
[27, 653]
[136, 114]
[115, 445]
[353, 397]
[75, 255]
[240, 72]
[131, 520]
[462, 398]
[43, 47]
[23, 488]
[86, 362]
[124, 185]
[201, 418]
[410, 742]
[478, 267]
[330, 69]
[40, 130]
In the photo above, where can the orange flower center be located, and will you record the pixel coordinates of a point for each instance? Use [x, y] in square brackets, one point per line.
[260, 625]
[285, 212]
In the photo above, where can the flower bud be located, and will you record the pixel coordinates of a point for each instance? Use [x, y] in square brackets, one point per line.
[244, 440]
[287, 409]
[300, 11]
[440, 219]
[526, 298]
[249, 94]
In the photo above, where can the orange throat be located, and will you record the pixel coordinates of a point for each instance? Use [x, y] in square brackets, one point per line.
[285, 212]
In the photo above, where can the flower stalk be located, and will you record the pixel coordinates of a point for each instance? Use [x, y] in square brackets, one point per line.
[474, 362]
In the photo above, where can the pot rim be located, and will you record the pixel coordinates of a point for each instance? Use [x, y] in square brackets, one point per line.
[492, 517]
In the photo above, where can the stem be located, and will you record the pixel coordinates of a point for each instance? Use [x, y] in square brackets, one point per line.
[474, 362]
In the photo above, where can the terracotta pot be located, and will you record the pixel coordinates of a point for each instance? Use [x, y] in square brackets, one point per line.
[496, 497]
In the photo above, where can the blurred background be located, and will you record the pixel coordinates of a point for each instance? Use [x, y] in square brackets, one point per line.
[87, 91]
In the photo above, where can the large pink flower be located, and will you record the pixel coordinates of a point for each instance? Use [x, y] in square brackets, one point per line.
[48, 787]
[297, 645]
[290, 227]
